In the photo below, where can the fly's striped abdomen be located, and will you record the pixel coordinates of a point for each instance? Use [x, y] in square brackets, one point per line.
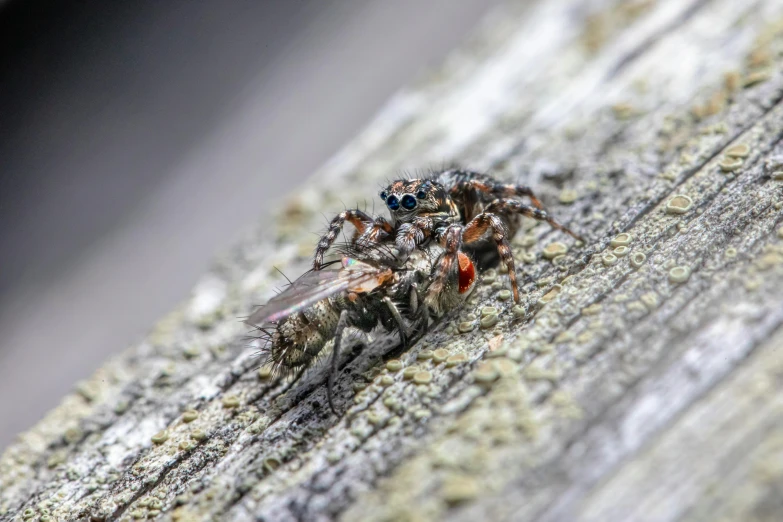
[299, 338]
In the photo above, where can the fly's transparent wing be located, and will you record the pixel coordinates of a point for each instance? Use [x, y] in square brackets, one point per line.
[305, 291]
[317, 285]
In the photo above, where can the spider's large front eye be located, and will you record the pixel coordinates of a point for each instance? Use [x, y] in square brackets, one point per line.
[408, 202]
[383, 195]
[393, 203]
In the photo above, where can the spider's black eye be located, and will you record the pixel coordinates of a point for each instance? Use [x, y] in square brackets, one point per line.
[408, 202]
[421, 194]
[393, 203]
[383, 195]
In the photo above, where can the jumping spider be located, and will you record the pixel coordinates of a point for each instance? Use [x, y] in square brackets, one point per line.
[458, 209]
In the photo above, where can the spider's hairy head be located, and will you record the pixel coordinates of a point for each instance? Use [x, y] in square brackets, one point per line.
[408, 198]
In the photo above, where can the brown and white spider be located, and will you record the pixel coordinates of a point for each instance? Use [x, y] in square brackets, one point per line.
[455, 208]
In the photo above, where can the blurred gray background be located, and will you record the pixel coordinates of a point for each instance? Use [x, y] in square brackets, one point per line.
[137, 139]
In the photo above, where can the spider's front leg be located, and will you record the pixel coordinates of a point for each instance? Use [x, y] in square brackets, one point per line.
[517, 207]
[367, 228]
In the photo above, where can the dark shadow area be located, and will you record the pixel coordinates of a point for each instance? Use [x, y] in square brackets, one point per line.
[84, 85]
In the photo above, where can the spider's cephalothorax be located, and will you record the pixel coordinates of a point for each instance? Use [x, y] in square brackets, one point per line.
[460, 210]
[409, 198]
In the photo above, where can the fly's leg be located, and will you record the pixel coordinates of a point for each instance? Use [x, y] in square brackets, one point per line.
[517, 207]
[361, 220]
[414, 300]
[338, 335]
[420, 313]
[397, 319]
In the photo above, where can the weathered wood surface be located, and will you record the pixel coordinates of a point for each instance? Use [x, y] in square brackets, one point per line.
[643, 383]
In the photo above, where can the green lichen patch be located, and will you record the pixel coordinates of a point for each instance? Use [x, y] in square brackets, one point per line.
[741, 150]
[621, 251]
[422, 377]
[394, 365]
[230, 401]
[466, 326]
[568, 196]
[456, 359]
[609, 259]
[486, 373]
[551, 295]
[160, 437]
[679, 204]
[439, 355]
[518, 311]
[386, 381]
[623, 239]
[637, 259]
[488, 321]
[679, 274]
[189, 416]
[458, 489]
[488, 310]
[424, 355]
[410, 372]
[553, 250]
[730, 164]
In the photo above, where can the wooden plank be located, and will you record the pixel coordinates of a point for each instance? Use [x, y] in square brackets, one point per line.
[629, 356]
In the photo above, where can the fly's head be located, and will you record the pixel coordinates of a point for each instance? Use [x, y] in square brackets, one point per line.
[408, 198]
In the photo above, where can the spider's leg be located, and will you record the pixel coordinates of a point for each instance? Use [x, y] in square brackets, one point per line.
[451, 239]
[514, 206]
[380, 231]
[478, 228]
[338, 335]
[496, 189]
[356, 217]
[481, 183]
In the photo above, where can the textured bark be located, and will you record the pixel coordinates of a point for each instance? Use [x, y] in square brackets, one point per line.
[638, 380]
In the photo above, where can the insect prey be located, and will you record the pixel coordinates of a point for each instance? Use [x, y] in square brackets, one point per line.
[368, 289]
